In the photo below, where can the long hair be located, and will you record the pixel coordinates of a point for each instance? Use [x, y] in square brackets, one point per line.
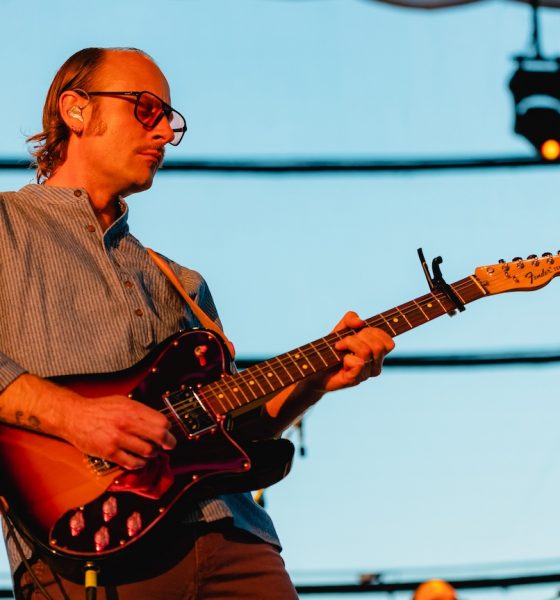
[78, 73]
[49, 147]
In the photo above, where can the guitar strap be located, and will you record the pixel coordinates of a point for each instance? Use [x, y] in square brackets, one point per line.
[203, 318]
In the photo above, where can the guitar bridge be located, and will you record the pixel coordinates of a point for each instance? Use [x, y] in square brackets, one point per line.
[99, 466]
[190, 412]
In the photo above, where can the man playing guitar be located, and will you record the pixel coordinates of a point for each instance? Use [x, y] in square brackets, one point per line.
[80, 295]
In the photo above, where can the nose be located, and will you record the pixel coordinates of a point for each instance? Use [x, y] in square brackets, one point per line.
[162, 131]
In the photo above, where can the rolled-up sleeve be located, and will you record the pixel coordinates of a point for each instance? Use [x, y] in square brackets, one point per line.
[9, 371]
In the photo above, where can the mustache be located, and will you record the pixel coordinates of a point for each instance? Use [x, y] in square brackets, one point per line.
[153, 148]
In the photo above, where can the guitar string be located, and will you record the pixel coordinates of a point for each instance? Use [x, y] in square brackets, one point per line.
[286, 360]
[316, 348]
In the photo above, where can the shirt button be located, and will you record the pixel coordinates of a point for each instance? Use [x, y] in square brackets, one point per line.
[90, 227]
[138, 312]
[77, 193]
[128, 284]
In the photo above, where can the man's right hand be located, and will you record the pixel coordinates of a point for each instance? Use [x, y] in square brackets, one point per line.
[115, 428]
[118, 429]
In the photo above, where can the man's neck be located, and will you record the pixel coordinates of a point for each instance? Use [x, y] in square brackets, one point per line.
[106, 205]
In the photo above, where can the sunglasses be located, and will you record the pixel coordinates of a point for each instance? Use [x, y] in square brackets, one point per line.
[149, 110]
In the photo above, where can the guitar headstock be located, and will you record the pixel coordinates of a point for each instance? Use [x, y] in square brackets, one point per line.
[519, 275]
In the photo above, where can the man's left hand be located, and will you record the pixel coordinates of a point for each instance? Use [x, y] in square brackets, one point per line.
[363, 350]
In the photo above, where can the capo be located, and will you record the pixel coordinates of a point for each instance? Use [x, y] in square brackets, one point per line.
[438, 284]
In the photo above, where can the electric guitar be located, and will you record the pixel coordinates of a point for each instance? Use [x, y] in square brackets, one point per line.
[81, 507]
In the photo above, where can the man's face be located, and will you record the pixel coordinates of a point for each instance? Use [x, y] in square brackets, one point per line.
[119, 152]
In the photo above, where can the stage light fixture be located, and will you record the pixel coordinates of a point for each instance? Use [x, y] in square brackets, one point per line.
[535, 86]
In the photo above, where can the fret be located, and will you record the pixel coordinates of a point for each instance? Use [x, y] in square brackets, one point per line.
[410, 325]
[260, 376]
[270, 374]
[388, 324]
[237, 389]
[215, 399]
[210, 395]
[468, 289]
[330, 346]
[304, 353]
[398, 324]
[459, 295]
[223, 395]
[287, 371]
[440, 303]
[419, 313]
[433, 307]
[421, 310]
[295, 359]
[254, 379]
[477, 290]
[318, 353]
[248, 384]
[414, 313]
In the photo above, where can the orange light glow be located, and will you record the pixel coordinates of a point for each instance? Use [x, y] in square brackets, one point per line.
[550, 150]
[435, 589]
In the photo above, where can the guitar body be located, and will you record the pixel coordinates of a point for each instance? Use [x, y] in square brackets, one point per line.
[74, 506]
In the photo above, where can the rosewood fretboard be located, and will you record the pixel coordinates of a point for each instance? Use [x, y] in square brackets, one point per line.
[232, 393]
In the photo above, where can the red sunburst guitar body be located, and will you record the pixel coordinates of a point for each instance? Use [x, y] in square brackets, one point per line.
[75, 506]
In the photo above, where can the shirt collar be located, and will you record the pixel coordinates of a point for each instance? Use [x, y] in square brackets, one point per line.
[80, 197]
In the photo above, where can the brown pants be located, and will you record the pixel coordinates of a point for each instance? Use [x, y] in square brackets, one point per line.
[220, 562]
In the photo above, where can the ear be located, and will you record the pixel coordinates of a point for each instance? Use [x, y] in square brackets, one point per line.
[71, 106]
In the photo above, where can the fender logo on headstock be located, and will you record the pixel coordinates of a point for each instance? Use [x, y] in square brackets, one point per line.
[533, 277]
[518, 275]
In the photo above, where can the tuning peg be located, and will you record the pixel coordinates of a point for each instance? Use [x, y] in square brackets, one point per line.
[531, 257]
[501, 261]
[517, 258]
[545, 254]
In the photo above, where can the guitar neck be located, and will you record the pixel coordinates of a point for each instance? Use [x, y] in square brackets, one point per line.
[248, 389]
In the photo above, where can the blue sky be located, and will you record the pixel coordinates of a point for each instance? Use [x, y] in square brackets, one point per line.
[417, 468]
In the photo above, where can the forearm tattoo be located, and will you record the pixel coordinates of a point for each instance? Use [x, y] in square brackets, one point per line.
[29, 422]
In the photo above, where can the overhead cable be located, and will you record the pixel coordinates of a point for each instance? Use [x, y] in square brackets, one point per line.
[329, 165]
[437, 4]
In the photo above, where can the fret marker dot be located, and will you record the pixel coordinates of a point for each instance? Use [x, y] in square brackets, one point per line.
[304, 367]
[429, 305]
[269, 374]
[220, 395]
[235, 389]
[395, 320]
[251, 382]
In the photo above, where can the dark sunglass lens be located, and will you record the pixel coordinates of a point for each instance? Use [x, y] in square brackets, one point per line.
[148, 109]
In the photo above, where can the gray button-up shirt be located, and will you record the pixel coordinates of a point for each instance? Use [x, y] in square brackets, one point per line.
[75, 299]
